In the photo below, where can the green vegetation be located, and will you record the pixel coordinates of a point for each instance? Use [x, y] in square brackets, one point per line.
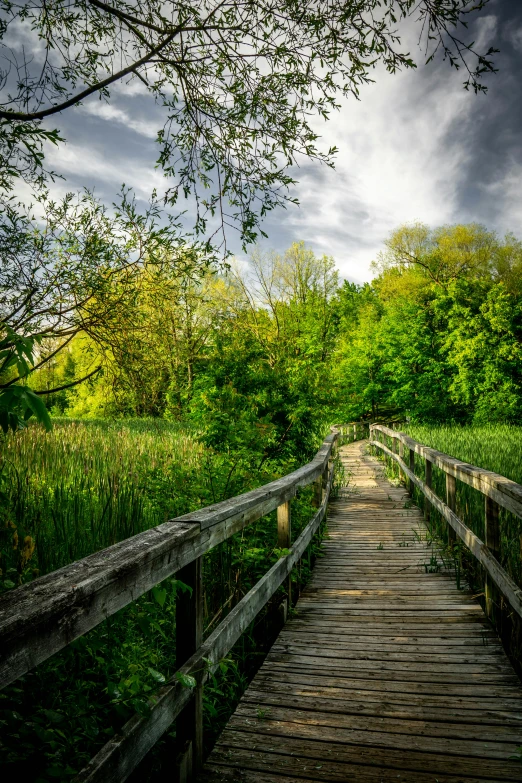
[436, 337]
[201, 384]
[176, 378]
[86, 485]
[496, 447]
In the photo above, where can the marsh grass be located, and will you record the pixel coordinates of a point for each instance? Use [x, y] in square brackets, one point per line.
[87, 485]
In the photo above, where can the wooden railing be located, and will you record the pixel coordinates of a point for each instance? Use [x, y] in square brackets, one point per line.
[42, 617]
[498, 492]
[355, 430]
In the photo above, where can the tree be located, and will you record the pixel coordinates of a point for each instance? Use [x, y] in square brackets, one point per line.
[443, 340]
[240, 81]
[73, 272]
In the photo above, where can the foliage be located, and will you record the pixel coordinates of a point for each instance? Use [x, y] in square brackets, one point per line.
[437, 335]
[239, 82]
[73, 271]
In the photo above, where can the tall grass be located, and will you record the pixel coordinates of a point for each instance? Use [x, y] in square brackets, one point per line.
[86, 485]
[496, 447]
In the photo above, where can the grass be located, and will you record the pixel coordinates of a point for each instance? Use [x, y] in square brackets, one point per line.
[86, 485]
[496, 447]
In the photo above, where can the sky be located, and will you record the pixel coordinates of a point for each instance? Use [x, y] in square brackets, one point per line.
[416, 147]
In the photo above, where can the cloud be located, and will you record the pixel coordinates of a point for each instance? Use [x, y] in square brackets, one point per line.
[416, 147]
[400, 160]
[114, 114]
[82, 164]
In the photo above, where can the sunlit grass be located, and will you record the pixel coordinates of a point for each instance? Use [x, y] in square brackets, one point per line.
[86, 485]
[496, 447]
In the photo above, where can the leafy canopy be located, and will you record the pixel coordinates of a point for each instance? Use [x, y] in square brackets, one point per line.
[240, 81]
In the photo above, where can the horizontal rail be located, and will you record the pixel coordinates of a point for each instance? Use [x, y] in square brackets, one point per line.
[116, 760]
[42, 617]
[478, 548]
[502, 490]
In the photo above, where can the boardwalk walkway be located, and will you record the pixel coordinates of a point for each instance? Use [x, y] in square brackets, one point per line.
[386, 673]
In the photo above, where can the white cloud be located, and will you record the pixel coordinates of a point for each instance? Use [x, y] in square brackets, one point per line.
[114, 114]
[89, 165]
[396, 164]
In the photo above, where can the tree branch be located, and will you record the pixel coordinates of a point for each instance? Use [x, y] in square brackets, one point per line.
[68, 385]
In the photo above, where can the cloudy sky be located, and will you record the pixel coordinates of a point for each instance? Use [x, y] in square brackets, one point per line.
[415, 147]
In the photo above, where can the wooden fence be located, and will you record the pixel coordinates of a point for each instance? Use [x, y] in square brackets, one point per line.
[42, 617]
[498, 491]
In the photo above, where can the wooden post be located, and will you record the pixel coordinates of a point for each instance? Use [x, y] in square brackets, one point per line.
[492, 542]
[411, 466]
[284, 538]
[189, 637]
[401, 455]
[429, 479]
[318, 491]
[354, 432]
[451, 502]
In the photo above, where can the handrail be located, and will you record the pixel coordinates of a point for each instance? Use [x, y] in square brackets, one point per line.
[498, 491]
[502, 490]
[116, 760]
[42, 617]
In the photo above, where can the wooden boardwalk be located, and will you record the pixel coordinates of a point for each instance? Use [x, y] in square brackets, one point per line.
[386, 672]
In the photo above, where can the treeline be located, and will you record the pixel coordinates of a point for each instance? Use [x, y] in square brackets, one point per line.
[278, 348]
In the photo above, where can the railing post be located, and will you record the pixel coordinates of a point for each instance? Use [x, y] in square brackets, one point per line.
[401, 455]
[451, 502]
[493, 544]
[318, 491]
[189, 637]
[411, 465]
[284, 538]
[428, 482]
[354, 432]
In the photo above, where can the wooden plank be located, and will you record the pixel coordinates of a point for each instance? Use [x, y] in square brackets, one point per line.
[387, 763]
[385, 672]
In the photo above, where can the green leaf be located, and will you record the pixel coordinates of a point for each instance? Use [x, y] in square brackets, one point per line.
[186, 680]
[160, 594]
[157, 676]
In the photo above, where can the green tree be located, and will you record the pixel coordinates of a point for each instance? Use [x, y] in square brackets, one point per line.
[71, 272]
